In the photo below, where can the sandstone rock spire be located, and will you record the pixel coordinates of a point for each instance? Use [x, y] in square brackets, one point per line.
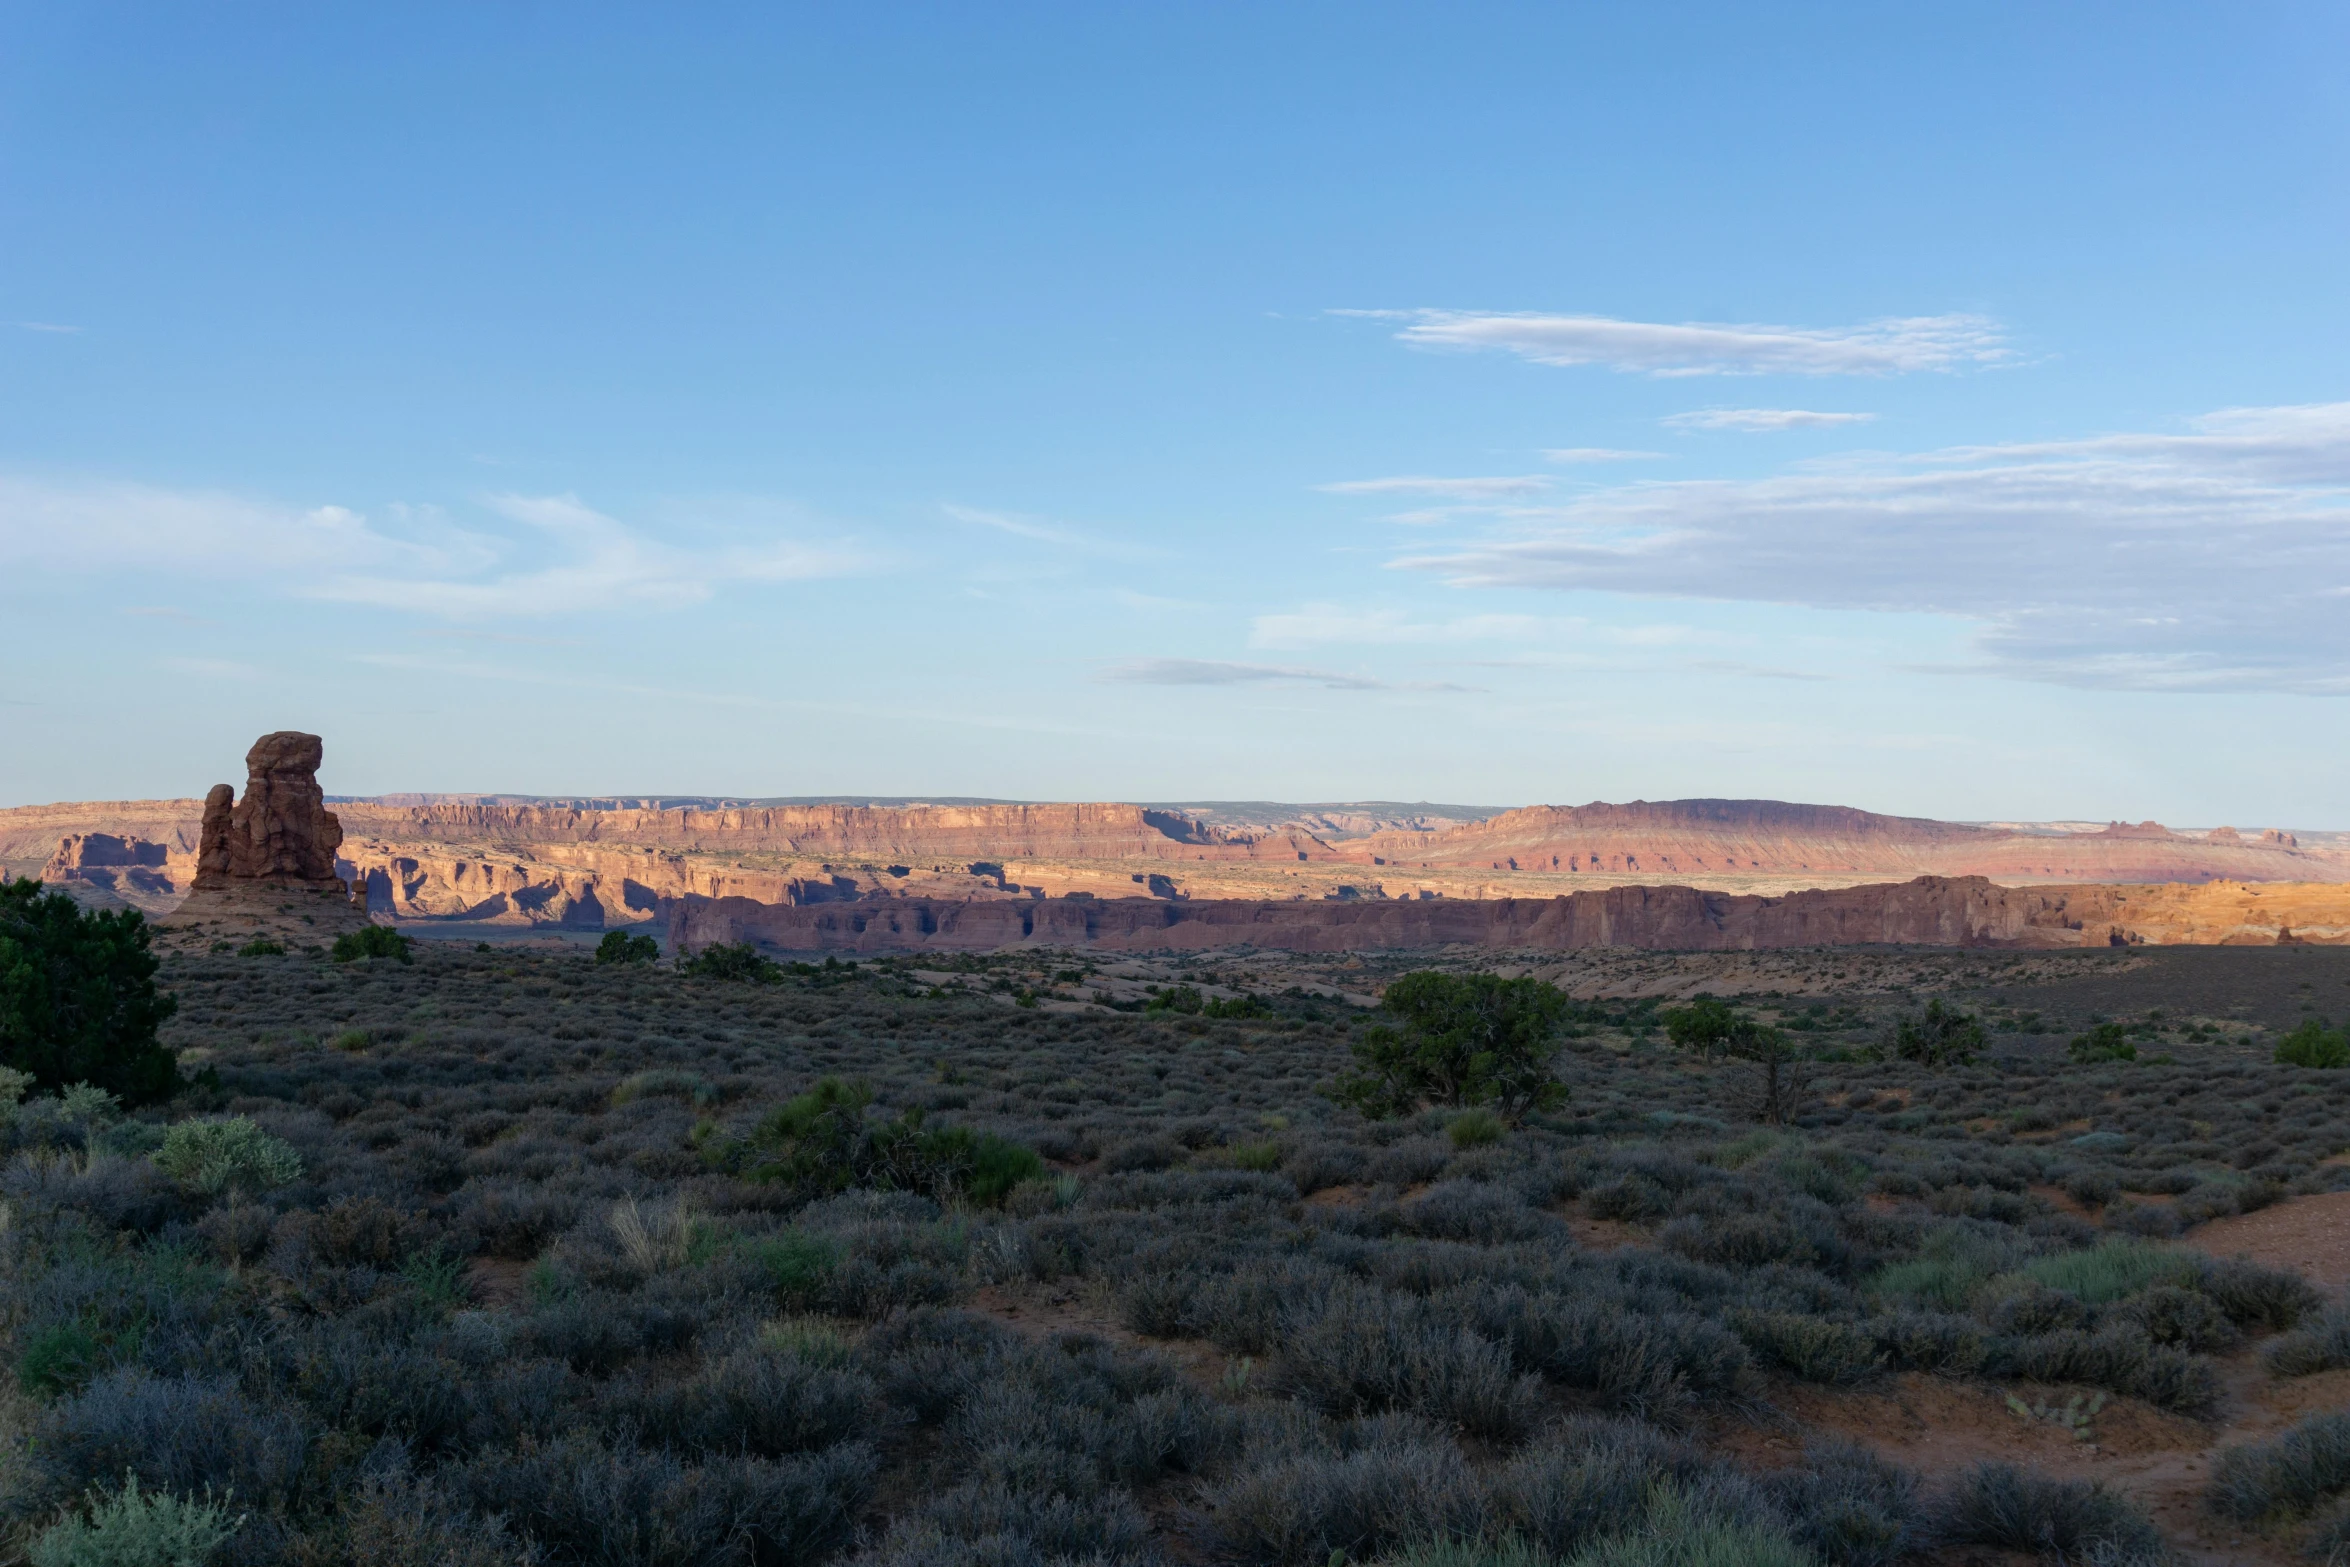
[281, 832]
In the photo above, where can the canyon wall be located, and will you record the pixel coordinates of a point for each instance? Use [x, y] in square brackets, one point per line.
[1684, 837]
[602, 864]
[847, 832]
[1929, 911]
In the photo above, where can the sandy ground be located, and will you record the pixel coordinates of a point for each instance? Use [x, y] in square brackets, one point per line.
[2308, 1234]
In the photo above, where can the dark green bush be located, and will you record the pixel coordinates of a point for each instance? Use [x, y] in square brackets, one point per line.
[262, 947]
[78, 1002]
[736, 961]
[1462, 1039]
[58, 1359]
[2105, 1042]
[2314, 1045]
[620, 946]
[825, 1141]
[1939, 1036]
[374, 941]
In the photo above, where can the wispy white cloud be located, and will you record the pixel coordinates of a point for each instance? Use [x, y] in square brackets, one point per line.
[1427, 484]
[1764, 419]
[1068, 539]
[601, 565]
[46, 326]
[1896, 346]
[2207, 560]
[1217, 672]
[75, 526]
[1596, 454]
[566, 557]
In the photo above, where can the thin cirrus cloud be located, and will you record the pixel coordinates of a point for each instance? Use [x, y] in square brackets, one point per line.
[1216, 672]
[1468, 489]
[1068, 539]
[1761, 419]
[1579, 454]
[1219, 672]
[562, 557]
[1898, 346]
[600, 564]
[2213, 559]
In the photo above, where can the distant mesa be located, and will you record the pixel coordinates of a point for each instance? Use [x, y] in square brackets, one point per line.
[596, 863]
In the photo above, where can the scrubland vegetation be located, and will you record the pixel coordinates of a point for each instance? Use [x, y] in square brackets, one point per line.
[504, 1256]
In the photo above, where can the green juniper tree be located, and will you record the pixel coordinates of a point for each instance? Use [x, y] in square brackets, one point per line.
[1460, 1039]
[78, 1002]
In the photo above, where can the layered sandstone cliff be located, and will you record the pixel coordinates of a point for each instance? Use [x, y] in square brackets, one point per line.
[591, 865]
[1689, 837]
[918, 832]
[145, 874]
[1928, 911]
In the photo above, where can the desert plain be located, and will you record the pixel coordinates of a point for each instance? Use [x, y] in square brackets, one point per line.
[899, 1184]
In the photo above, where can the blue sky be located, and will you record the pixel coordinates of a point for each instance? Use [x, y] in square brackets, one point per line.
[1939, 410]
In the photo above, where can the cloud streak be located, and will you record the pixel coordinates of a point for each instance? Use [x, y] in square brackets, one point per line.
[1428, 484]
[1046, 533]
[1216, 672]
[1899, 346]
[561, 557]
[1761, 419]
[2208, 560]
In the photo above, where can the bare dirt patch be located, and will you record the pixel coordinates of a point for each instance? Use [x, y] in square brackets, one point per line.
[1042, 1311]
[1939, 1428]
[2310, 1235]
[1602, 1234]
[498, 1281]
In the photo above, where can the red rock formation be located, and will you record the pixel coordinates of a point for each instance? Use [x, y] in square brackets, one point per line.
[281, 832]
[147, 875]
[1929, 911]
[1675, 838]
[848, 832]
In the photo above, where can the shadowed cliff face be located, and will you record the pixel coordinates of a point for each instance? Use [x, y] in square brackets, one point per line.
[590, 866]
[1930, 911]
[1713, 837]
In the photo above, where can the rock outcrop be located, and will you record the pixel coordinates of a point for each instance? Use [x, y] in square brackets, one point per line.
[281, 832]
[910, 832]
[1929, 911]
[108, 867]
[1682, 838]
[265, 864]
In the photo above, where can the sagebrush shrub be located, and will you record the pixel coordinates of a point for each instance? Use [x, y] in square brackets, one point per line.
[2324, 1345]
[2074, 1520]
[2288, 1477]
[231, 1155]
[1300, 1511]
[186, 1435]
[134, 1528]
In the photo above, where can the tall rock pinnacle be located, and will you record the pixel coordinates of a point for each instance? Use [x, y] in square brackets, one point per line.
[281, 832]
